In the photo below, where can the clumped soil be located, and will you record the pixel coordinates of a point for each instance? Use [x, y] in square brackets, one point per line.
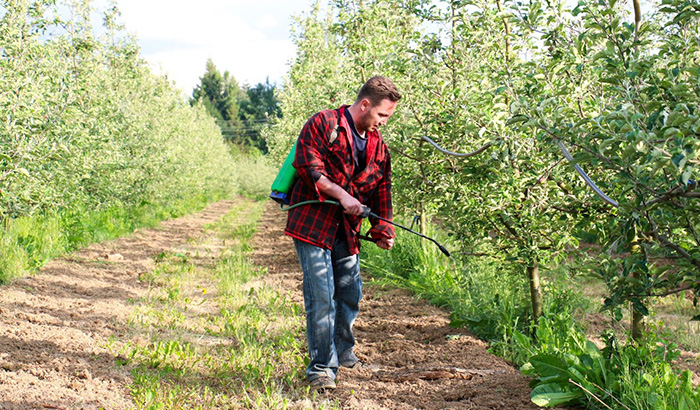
[56, 329]
[414, 359]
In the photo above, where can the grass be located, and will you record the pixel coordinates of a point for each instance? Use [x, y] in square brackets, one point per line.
[670, 315]
[481, 296]
[28, 242]
[491, 299]
[254, 173]
[215, 335]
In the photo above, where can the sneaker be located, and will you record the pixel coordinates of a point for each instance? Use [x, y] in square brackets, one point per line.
[321, 383]
[358, 365]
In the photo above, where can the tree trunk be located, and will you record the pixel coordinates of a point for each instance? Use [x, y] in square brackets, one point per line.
[637, 325]
[637, 318]
[637, 16]
[533, 272]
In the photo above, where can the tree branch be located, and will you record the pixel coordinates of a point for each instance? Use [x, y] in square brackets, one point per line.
[664, 241]
[509, 227]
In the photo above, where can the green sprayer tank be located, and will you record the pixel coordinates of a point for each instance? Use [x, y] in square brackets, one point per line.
[282, 186]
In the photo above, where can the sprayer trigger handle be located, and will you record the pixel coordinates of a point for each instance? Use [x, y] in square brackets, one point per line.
[365, 211]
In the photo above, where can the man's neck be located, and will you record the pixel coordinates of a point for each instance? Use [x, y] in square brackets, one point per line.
[355, 113]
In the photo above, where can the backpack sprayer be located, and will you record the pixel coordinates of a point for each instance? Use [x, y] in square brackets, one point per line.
[282, 186]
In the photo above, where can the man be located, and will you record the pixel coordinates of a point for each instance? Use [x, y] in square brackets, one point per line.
[340, 156]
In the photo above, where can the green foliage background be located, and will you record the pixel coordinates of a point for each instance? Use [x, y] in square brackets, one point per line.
[516, 80]
[91, 143]
[510, 81]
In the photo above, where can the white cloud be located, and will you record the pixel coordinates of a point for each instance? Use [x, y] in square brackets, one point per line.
[266, 21]
[249, 39]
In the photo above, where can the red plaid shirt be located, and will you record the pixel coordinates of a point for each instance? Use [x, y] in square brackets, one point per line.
[318, 223]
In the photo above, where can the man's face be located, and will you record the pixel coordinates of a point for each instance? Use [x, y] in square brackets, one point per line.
[374, 115]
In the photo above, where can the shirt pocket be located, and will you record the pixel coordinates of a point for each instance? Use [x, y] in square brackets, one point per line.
[368, 180]
[339, 158]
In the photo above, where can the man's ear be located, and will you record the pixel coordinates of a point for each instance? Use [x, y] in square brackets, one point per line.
[365, 104]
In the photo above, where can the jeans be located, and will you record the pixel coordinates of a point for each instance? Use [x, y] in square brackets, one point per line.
[332, 293]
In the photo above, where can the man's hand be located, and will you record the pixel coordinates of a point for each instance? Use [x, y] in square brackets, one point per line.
[385, 243]
[351, 205]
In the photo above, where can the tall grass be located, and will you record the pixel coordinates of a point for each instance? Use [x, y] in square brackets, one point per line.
[479, 294]
[28, 242]
[253, 172]
[491, 299]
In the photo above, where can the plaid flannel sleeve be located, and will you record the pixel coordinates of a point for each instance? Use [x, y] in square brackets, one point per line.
[311, 149]
[380, 202]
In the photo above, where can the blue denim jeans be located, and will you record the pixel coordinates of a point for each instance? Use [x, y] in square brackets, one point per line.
[332, 293]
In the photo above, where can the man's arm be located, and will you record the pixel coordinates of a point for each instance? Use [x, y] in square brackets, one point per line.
[311, 148]
[349, 203]
[382, 206]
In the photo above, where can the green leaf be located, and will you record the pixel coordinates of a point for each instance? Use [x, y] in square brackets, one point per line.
[554, 394]
[671, 132]
[639, 307]
[685, 176]
[676, 159]
[592, 349]
[23, 171]
[527, 369]
[550, 365]
[517, 119]
[617, 314]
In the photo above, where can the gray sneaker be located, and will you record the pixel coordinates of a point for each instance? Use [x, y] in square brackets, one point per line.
[321, 383]
[360, 365]
[353, 365]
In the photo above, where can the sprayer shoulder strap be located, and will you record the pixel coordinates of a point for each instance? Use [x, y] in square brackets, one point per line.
[334, 129]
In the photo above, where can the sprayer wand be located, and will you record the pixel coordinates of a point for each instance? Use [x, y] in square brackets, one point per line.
[367, 212]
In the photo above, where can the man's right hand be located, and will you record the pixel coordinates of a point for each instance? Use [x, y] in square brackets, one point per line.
[351, 205]
[385, 243]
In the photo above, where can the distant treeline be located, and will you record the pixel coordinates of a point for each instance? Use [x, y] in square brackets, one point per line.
[241, 112]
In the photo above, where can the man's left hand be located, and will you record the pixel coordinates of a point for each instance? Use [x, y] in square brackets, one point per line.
[385, 243]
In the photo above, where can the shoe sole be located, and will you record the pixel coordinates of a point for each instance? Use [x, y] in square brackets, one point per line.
[320, 388]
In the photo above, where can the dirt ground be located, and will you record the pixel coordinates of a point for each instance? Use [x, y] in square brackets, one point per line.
[415, 359]
[56, 329]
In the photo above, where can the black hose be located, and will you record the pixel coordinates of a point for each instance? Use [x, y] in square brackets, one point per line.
[367, 212]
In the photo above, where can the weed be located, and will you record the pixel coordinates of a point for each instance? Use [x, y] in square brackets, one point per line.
[237, 345]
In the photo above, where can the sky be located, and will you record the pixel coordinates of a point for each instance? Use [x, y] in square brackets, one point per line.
[250, 39]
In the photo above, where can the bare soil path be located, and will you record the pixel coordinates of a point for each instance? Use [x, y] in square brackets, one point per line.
[56, 329]
[416, 361]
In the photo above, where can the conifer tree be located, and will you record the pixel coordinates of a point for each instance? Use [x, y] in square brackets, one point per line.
[221, 96]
